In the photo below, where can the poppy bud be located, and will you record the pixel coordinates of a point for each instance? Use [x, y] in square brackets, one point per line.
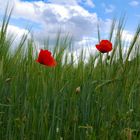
[78, 89]
[8, 80]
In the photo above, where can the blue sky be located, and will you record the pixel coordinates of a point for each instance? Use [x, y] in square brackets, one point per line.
[78, 17]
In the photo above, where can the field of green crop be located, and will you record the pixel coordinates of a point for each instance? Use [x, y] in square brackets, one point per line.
[70, 101]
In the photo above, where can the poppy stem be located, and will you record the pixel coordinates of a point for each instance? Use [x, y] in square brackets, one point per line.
[101, 66]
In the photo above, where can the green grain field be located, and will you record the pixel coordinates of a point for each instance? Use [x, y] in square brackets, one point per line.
[72, 101]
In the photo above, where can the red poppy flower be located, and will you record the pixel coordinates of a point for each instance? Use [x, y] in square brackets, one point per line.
[46, 58]
[104, 46]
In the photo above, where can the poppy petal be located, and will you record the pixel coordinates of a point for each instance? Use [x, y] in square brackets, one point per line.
[104, 46]
[45, 58]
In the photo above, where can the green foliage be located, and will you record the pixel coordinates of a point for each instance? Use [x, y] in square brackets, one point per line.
[71, 102]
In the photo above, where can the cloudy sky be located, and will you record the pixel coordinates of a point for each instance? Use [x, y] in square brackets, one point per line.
[76, 17]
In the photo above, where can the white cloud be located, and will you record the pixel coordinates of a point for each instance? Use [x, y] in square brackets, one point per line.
[86, 42]
[127, 36]
[25, 10]
[73, 2]
[69, 17]
[22, 9]
[87, 52]
[16, 30]
[108, 8]
[88, 3]
[16, 34]
[74, 20]
[34, 10]
[134, 3]
[64, 2]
